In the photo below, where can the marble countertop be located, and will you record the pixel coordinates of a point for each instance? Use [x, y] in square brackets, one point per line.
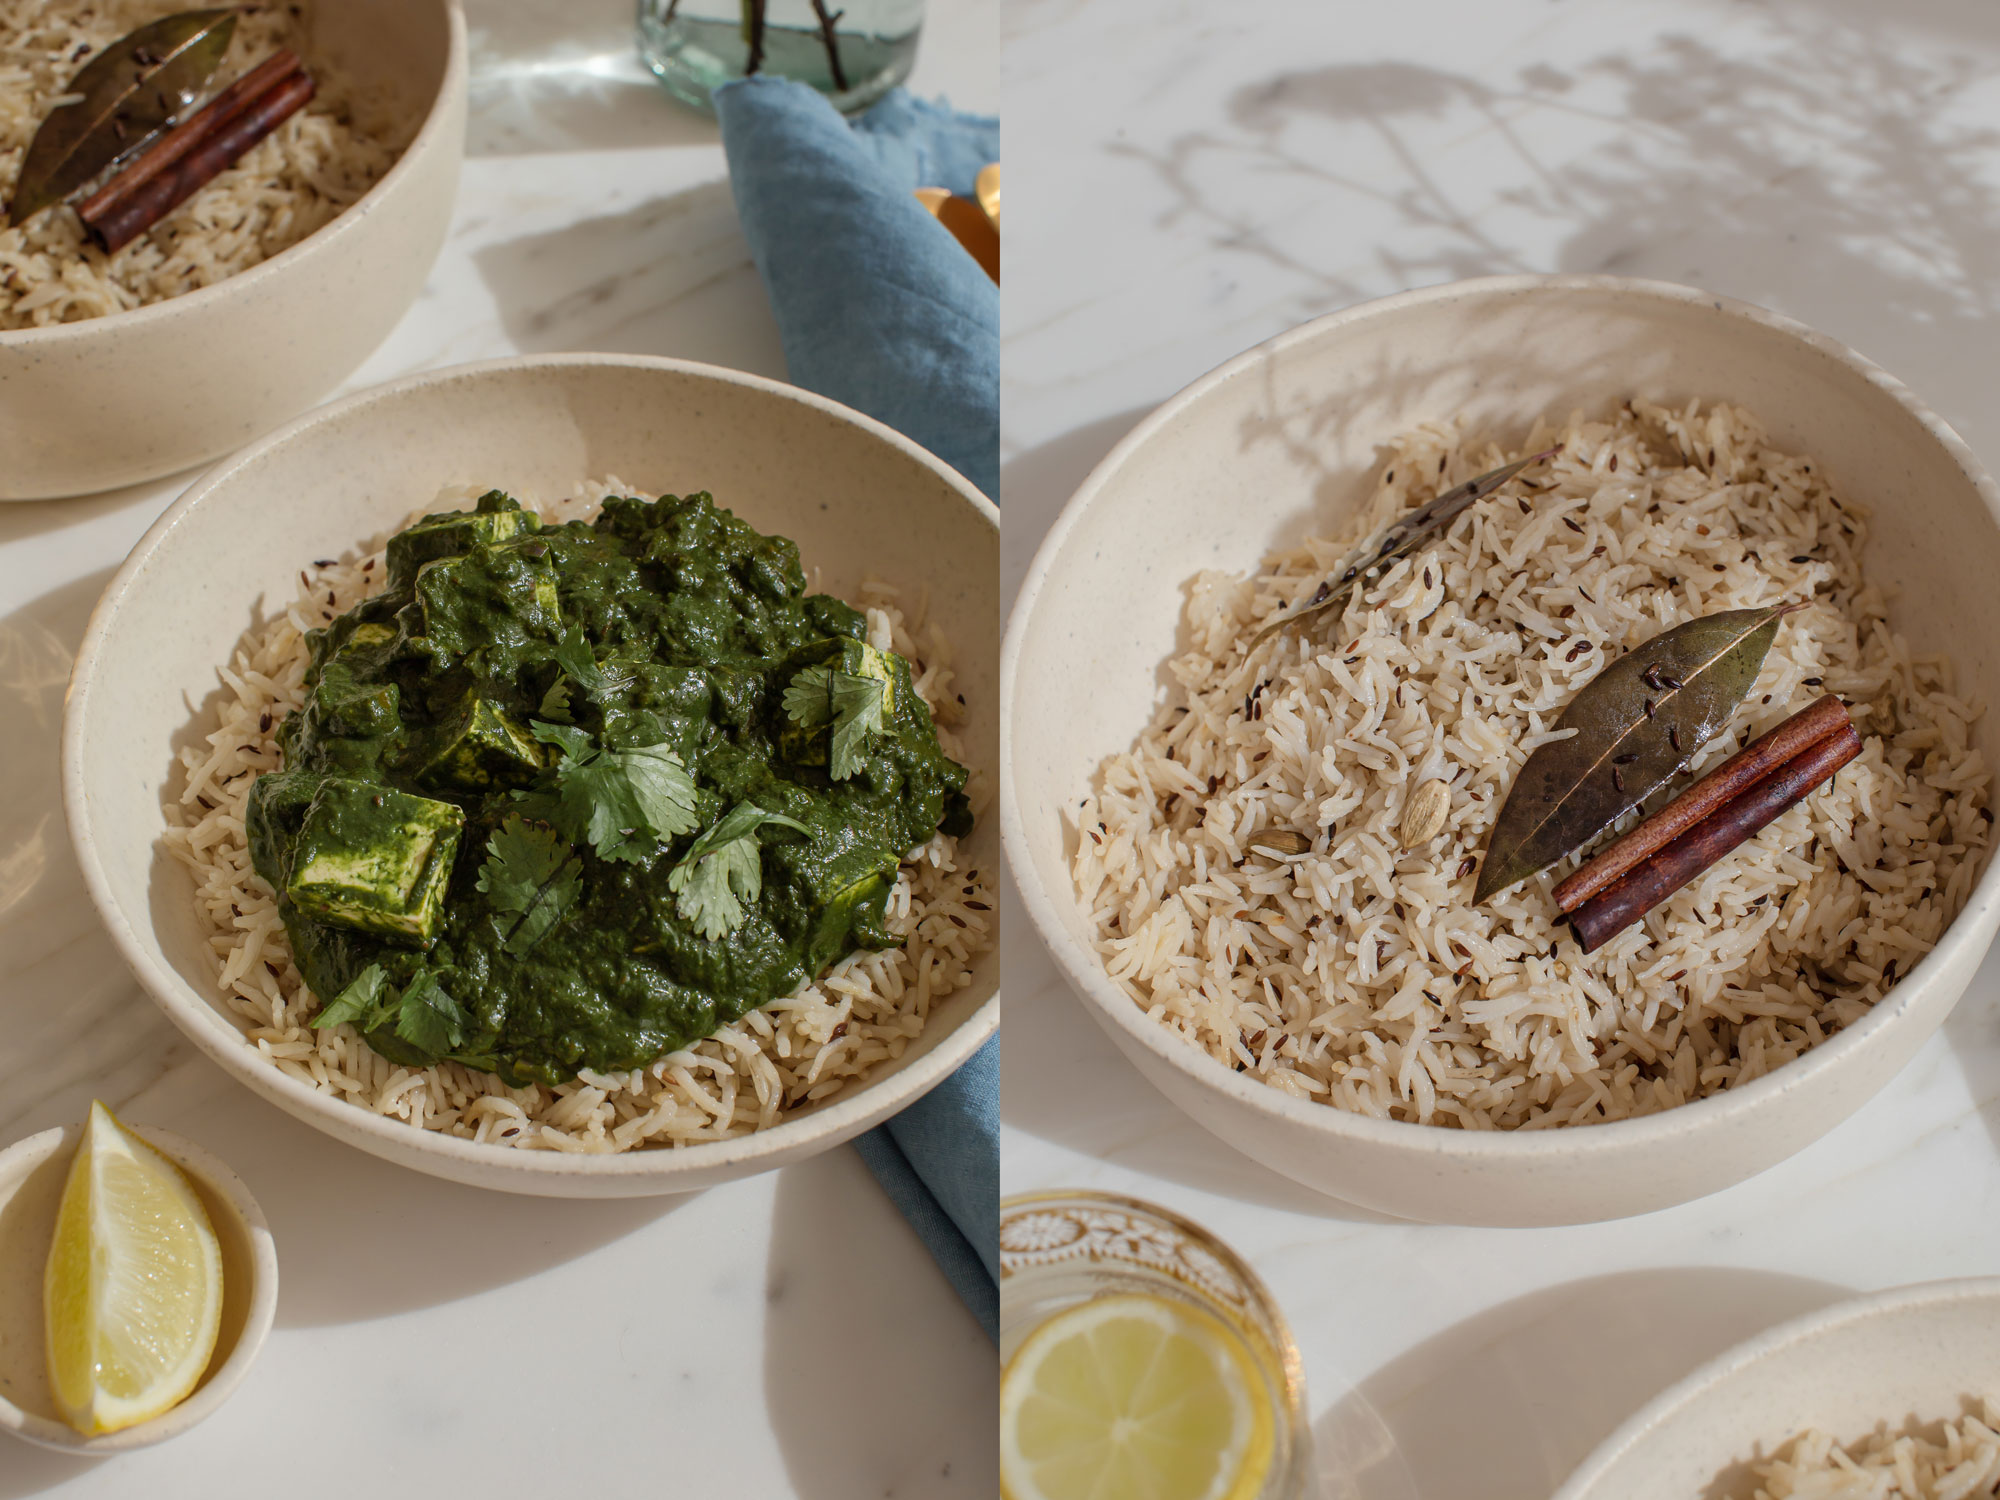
[1241, 169]
[786, 1335]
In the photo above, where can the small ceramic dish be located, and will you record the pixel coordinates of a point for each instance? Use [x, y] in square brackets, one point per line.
[110, 401]
[1916, 1354]
[1288, 436]
[860, 500]
[32, 1173]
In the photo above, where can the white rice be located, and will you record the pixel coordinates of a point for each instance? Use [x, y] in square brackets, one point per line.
[1361, 975]
[1962, 1462]
[297, 179]
[793, 1053]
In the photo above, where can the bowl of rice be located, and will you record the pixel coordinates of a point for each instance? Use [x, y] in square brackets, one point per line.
[1338, 1005]
[196, 655]
[1892, 1396]
[262, 291]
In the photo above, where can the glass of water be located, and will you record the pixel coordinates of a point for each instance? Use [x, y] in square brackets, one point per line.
[852, 51]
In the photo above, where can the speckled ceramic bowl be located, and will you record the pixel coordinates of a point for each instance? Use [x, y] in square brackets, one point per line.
[114, 400]
[1916, 1353]
[1287, 437]
[32, 1173]
[860, 500]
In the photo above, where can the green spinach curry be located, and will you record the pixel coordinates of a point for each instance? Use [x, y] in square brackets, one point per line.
[567, 797]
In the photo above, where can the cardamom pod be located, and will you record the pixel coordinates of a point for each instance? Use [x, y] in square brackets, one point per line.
[1277, 841]
[1424, 813]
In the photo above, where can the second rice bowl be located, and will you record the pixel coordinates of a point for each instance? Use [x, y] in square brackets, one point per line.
[865, 506]
[1290, 441]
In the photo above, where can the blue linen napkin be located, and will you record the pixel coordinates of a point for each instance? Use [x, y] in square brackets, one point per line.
[882, 310]
[878, 306]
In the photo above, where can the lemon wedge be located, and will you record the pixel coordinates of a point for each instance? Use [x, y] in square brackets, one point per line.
[133, 1289]
[1133, 1397]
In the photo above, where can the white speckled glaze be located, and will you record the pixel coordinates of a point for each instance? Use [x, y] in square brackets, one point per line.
[114, 400]
[860, 500]
[1285, 438]
[32, 1174]
[1912, 1352]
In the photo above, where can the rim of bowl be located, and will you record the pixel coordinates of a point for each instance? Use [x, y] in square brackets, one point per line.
[1085, 972]
[452, 85]
[262, 1309]
[1745, 1356]
[873, 1102]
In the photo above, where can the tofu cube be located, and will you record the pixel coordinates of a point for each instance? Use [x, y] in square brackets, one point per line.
[500, 596]
[454, 533]
[478, 748]
[375, 860]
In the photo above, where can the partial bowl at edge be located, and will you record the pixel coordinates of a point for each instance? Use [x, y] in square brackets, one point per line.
[115, 400]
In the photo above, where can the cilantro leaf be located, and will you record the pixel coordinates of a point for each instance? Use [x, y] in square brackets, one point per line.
[619, 800]
[531, 872]
[723, 870]
[572, 654]
[555, 702]
[428, 1017]
[851, 703]
[573, 742]
[360, 1005]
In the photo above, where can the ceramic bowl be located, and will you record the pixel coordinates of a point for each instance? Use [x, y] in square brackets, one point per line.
[859, 499]
[1917, 1353]
[114, 400]
[1286, 437]
[32, 1173]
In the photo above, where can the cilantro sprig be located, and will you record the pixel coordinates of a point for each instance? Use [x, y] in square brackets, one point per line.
[853, 704]
[722, 872]
[530, 875]
[621, 802]
[425, 1015]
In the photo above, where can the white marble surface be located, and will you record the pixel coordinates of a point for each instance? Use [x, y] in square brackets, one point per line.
[1186, 179]
[781, 1336]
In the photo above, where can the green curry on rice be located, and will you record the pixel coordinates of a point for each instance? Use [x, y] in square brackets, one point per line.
[571, 797]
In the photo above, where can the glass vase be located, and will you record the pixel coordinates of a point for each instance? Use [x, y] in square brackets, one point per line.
[852, 51]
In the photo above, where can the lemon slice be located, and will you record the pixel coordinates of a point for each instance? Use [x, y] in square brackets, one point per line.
[1133, 1397]
[133, 1288]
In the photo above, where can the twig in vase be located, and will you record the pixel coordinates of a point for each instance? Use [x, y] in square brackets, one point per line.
[753, 34]
[827, 23]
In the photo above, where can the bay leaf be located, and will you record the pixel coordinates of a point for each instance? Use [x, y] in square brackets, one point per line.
[130, 92]
[1401, 537]
[1638, 722]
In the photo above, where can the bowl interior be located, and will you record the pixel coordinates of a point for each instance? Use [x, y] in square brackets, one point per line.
[1912, 1357]
[859, 503]
[1287, 440]
[32, 1175]
[392, 53]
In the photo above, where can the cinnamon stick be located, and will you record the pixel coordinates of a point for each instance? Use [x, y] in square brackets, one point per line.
[190, 133]
[130, 212]
[1628, 899]
[1823, 719]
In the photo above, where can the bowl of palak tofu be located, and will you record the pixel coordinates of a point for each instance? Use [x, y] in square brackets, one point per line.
[564, 774]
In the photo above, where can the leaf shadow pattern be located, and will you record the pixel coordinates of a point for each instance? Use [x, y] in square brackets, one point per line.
[1811, 158]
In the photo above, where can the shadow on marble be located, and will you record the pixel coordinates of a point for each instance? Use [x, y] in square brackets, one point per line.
[1972, 1031]
[1829, 161]
[21, 520]
[74, 1024]
[1504, 1405]
[877, 1379]
[1036, 484]
[360, 1238]
[549, 78]
[669, 275]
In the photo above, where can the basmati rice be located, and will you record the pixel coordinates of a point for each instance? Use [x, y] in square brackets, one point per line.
[1359, 974]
